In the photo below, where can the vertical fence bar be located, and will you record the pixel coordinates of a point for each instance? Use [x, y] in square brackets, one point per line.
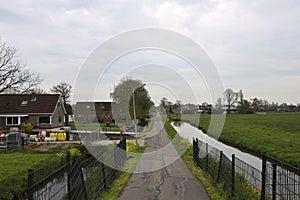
[274, 179]
[232, 174]
[30, 184]
[206, 157]
[263, 177]
[197, 153]
[194, 151]
[103, 174]
[220, 165]
[68, 160]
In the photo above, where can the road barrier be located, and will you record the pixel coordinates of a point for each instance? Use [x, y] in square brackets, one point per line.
[276, 180]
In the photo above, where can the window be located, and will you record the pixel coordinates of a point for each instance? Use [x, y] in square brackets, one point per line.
[45, 120]
[12, 120]
[24, 103]
[24, 120]
[59, 119]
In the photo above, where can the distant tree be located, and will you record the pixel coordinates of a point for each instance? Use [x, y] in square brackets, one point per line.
[247, 109]
[36, 90]
[167, 105]
[256, 105]
[64, 89]
[176, 108]
[14, 77]
[218, 108]
[240, 106]
[123, 96]
[264, 104]
[230, 98]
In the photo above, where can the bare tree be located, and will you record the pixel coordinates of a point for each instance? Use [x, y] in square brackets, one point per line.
[14, 77]
[64, 89]
[230, 98]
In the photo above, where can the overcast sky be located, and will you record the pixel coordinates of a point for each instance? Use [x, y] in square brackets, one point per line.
[255, 45]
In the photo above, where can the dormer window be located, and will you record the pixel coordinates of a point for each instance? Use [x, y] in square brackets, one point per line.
[33, 99]
[24, 103]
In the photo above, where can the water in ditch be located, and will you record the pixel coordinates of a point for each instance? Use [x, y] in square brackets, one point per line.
[188, 131]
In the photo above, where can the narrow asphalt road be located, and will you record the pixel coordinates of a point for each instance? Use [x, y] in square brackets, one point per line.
[154, 179]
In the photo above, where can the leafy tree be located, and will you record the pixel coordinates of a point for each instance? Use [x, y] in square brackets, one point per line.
[230, 98]
[123, 96]
[256, 104]
[14, 77]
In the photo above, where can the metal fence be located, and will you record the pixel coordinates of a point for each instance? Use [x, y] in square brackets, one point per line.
[276, 180]
[64, 178]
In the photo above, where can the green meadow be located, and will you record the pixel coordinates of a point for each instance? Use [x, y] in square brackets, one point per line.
[14, 167]
[277, 134]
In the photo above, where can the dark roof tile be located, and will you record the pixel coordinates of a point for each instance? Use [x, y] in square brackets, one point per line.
[38, 103]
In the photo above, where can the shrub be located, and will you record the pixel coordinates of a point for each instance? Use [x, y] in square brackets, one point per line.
[28, 128]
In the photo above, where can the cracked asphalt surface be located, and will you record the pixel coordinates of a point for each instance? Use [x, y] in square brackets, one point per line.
[175, 181]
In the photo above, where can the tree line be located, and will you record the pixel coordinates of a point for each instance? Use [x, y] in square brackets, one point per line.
[235, 102]
[231, 102]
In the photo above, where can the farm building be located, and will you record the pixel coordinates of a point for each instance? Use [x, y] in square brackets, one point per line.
[94, 111]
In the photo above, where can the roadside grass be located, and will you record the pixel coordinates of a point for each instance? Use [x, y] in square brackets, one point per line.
[13, 174]
[149, 127]
[277, 134]
[214, 190]
[117, 186]
[94, 126]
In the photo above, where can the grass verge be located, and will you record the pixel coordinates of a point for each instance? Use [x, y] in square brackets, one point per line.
[214, 190]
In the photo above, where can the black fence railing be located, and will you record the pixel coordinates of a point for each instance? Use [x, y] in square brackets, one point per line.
[276, 180]
[77, 179]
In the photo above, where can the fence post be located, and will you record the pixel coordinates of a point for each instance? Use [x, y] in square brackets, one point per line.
[68, 160]
[232, 174]
[263, 176]
[103, 173]
[194, 152]
[30, 184]
[274, 179]
[197, 153]
[220, 166]
[206, 157]
[124, 148]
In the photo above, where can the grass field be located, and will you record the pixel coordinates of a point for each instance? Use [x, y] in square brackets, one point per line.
[13, 174]
[278, 134]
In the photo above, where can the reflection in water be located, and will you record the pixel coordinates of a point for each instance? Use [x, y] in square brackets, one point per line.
[188, 131]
